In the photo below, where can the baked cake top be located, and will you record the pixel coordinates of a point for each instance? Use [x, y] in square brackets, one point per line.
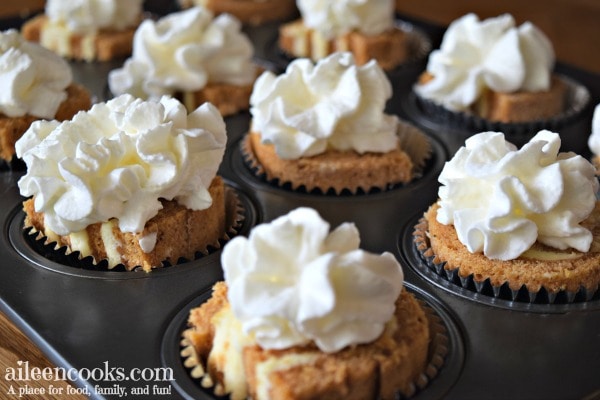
[293, 282]
[331, 104]
[118, 160]
[33, 79]
[491, 54]
[501, 199]
[183, 52]
[337, 18]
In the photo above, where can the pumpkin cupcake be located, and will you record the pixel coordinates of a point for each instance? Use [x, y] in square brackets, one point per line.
[524, 218]
[86, 30]
[323, 126]
[37, 84]
[192, 56]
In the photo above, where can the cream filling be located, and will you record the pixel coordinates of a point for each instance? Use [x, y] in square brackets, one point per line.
[273, 364]
[545, 255]
[80, 241]
[57, 37]
[111, 244]
[226, 354]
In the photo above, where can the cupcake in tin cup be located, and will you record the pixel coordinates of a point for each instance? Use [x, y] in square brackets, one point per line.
[132, 182]
[524, 218]
[323, 127]
[495, 75]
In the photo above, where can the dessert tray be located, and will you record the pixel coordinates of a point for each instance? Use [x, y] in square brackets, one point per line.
[107, 324]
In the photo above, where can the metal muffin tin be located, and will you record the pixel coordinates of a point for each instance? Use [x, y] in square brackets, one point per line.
[84, 319]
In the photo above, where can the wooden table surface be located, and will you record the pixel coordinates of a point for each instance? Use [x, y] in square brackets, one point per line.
[572, 26]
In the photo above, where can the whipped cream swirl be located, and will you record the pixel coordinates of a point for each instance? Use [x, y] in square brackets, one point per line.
[118, 159]
[333, 104]
[292, 281]
[494, 53]
[33, 80]
[336, 18]
[90, 16]
[184, 51]
[502, 200]
[594, 139]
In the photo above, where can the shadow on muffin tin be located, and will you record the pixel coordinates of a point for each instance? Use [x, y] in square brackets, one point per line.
[483, 292]
[434, 383]
[46, 255]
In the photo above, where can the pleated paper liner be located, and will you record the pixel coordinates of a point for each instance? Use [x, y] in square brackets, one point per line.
[418, 48]
[412, 141]
[578, 105]
[485, 287]
[438, 351]
[235, 214]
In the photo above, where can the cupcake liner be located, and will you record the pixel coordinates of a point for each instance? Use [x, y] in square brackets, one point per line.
[439, 347]
[50, 249]
[484, 286]
[412, 140]
[519, 133]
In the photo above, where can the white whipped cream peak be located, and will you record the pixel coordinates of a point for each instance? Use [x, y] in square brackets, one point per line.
[594, 139]
[184, 51]
[33, 80]
[502, 200]
[292, 282]
[90, 16]
[118, 159]
[333, 104]
[336, 18]
[493, 53]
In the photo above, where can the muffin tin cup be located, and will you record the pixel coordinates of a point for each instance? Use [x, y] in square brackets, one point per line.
[375, 214]
[444, 361]
[38, 249]
[414, 244]
[455, 127]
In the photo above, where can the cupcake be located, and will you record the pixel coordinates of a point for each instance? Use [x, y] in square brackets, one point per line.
[494, 75]
[88, 30]
[594, 139]
[192, 56]
[365, 28]
[37, 85]
[323, 126]
[524, 218]
[132, 182]
[250, 12]
[305, 313]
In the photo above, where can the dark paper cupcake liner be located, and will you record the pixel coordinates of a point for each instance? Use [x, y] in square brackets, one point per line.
[518, 133]
[41, 244]
[412, 140]
[485, 287]
[439, 348]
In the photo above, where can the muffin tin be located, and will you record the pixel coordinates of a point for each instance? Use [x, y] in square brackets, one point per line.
[496, 348]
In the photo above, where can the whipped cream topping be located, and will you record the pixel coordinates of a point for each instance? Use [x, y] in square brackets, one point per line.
[118, 159]
[333, 104]
[184, 51]
[594, 139]
[502, 200]
[90, 16]
[292, 281]
[33, 80]
[490, 54]
[336, 18]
